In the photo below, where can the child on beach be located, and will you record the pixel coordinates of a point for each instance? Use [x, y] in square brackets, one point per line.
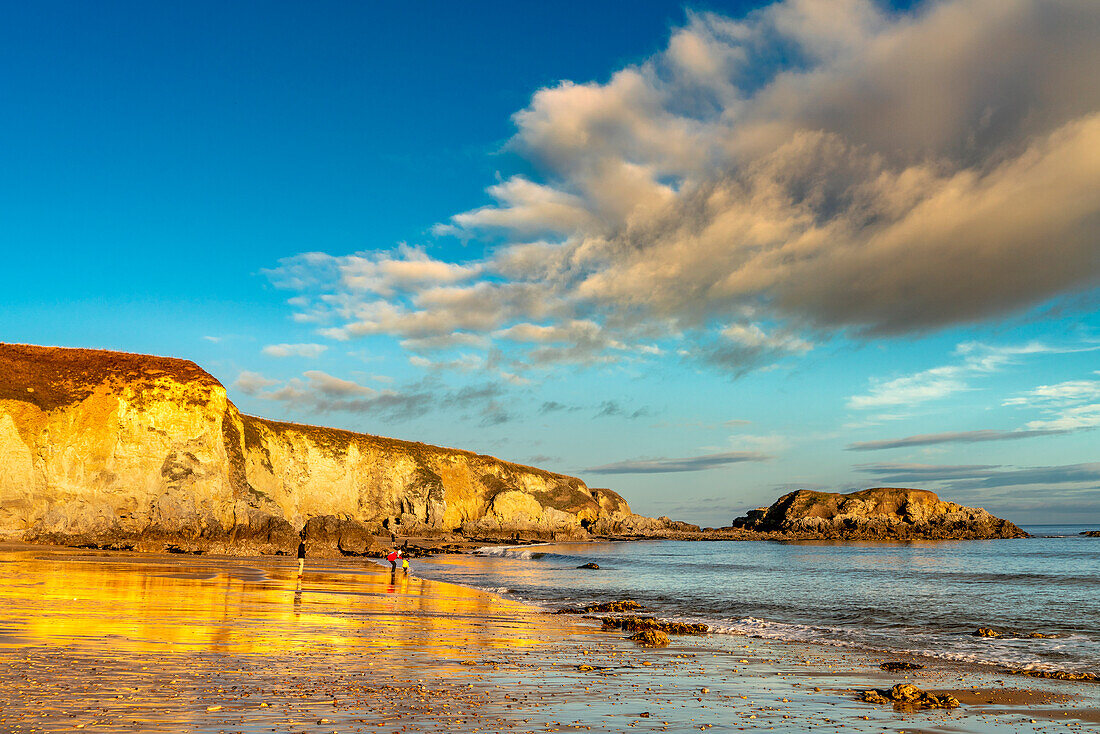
[405, 565]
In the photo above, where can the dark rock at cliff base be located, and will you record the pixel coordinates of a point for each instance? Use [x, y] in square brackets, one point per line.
[257, 533]
[882, 513]
[329, 536]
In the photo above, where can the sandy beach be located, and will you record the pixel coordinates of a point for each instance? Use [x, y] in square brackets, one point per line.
[134, 642]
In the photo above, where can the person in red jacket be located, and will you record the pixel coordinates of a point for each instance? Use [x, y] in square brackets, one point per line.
[392, 558]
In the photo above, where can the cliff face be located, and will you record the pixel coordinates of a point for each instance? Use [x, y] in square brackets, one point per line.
[121, 450]
[875, 514]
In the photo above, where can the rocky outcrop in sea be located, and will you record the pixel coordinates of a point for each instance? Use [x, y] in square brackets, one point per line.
[881, 513]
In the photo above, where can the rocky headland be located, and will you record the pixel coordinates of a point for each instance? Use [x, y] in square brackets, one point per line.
[881, 513]
[114, 450]
[125, 451]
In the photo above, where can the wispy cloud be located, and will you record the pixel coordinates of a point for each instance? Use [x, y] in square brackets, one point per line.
[612, 408]
[553, 406]
[687, 464]
[929, 439]
[1067, 406]
[319, 392]
[308, 351]
[986, 476]
[976, 360]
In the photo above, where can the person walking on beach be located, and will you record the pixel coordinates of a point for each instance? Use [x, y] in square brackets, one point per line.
[301, 557]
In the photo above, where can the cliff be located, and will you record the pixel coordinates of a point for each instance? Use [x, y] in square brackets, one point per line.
[882, 513]
[119, 450]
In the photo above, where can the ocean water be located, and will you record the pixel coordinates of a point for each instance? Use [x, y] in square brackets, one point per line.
[921, 597]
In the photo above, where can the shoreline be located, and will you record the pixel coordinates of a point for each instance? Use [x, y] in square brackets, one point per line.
[356, 652]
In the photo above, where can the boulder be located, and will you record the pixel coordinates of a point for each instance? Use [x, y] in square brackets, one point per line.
[894, 666]
[650, 638]
[910, 696]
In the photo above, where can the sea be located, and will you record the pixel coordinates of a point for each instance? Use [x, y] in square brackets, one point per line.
[924, 598]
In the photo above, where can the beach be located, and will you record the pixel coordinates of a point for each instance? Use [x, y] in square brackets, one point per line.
[141, 642]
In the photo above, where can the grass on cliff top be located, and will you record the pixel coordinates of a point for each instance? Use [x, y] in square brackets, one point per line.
[56, 377]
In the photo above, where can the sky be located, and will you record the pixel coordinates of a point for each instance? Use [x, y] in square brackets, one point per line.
[703, 254]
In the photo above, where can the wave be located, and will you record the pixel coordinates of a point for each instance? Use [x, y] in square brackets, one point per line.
[522, 552]
[1008, 652]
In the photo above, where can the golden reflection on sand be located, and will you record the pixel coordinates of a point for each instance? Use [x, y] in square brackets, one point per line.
[149, 603]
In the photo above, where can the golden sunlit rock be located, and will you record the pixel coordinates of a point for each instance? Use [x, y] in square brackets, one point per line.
[124, 451]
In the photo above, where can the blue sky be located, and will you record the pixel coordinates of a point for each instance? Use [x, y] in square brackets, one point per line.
[701, 254]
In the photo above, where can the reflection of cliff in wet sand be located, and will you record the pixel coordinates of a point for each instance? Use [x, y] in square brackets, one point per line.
[114, 450]
[158, 643]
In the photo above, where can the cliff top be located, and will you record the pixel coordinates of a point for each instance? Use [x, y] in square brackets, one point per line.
[55, 377]
[339, 439]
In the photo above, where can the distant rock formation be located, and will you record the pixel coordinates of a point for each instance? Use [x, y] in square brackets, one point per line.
[118, 450]
[882, 513]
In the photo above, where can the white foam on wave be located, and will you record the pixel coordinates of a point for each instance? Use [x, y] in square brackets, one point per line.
[498, 590]
[510, 551]
[1011, 653]
[766, 630]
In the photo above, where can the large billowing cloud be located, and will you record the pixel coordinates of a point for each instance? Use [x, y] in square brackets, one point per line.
[815, 167]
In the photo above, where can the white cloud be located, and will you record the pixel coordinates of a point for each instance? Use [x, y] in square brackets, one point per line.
[827, 166]
[251, 383]
[1062, 394]
[309, 351]
[939, 382]
[1067, 406]
[1070, 419]
[336, 387]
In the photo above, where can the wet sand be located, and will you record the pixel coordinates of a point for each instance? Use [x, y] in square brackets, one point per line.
[133, 642]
